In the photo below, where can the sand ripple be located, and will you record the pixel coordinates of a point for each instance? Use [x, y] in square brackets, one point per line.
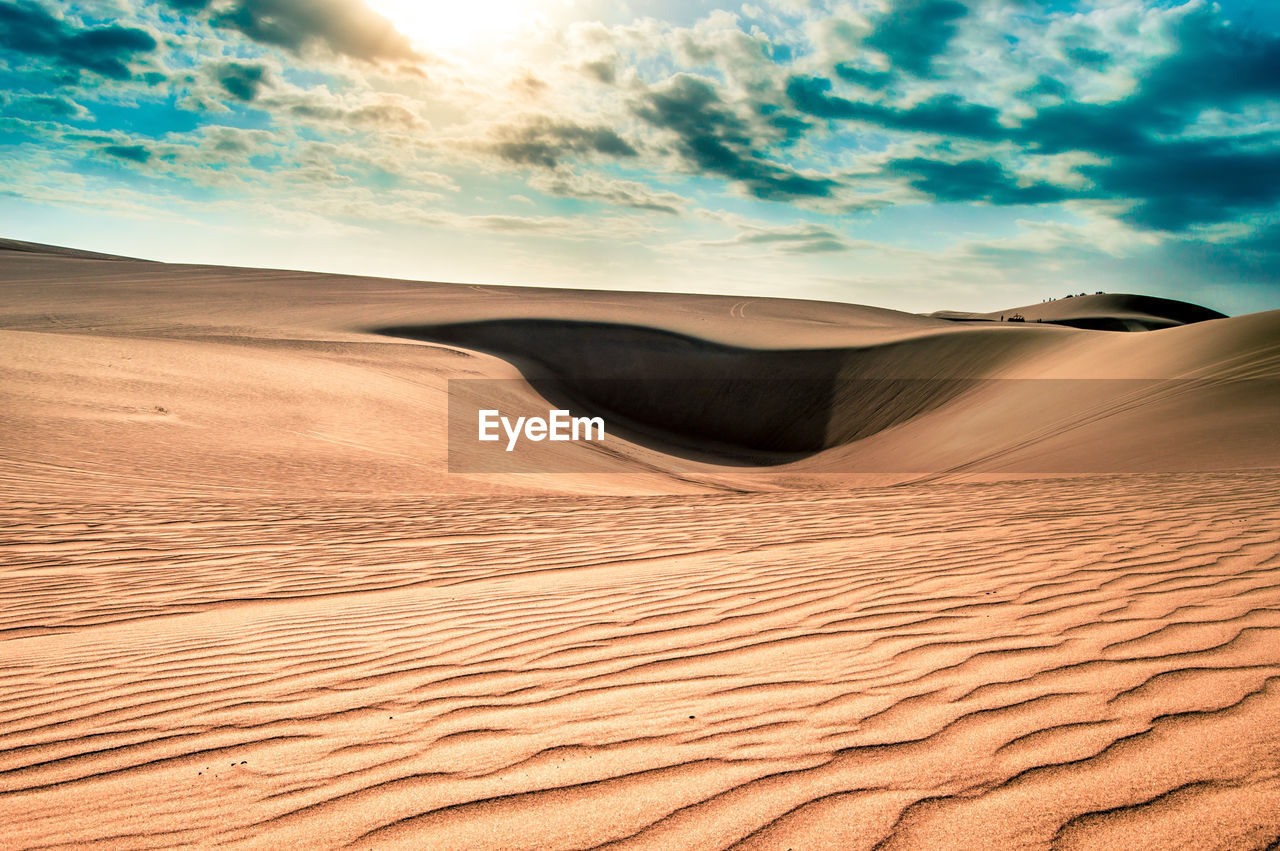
[1075, 663]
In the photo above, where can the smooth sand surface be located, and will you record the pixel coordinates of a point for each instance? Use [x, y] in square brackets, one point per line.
[246, 602]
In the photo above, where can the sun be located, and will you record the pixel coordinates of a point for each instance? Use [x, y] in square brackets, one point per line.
[457, 25]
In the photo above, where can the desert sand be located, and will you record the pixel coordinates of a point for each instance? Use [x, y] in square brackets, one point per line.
[1026, 597]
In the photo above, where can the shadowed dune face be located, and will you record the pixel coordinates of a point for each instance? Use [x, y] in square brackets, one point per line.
[758, 405]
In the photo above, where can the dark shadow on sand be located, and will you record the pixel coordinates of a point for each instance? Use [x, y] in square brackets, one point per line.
[689, 396]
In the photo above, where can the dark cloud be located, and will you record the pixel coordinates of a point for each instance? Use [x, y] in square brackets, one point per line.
[1087, 57]
[57, 107]
[973, 180]
[1103, 129]
[863, 77]
[945, 114]
[1212, 65]
[1141, 145]
[812, 95]
[1170, 180]
[346, 27]
[27, 28]
[912, 33]
[1050, 87]
[1169, 186]
[714, 140]
[241, 81]
[545, 142]
[1189, 183]
[787, 126]
[134, 153]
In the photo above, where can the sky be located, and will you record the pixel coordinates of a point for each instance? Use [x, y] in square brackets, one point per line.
[913, 154]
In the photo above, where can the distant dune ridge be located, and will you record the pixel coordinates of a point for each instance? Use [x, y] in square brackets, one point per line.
[1100, 312]
[247, 602]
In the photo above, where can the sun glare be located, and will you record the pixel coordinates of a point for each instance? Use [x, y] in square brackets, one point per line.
[457, 25]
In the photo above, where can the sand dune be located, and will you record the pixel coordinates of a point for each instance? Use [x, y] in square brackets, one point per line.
[246, 602]
[1099, 312]
[976, 400]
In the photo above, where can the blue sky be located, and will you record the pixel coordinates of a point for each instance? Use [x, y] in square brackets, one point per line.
[917, 154]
